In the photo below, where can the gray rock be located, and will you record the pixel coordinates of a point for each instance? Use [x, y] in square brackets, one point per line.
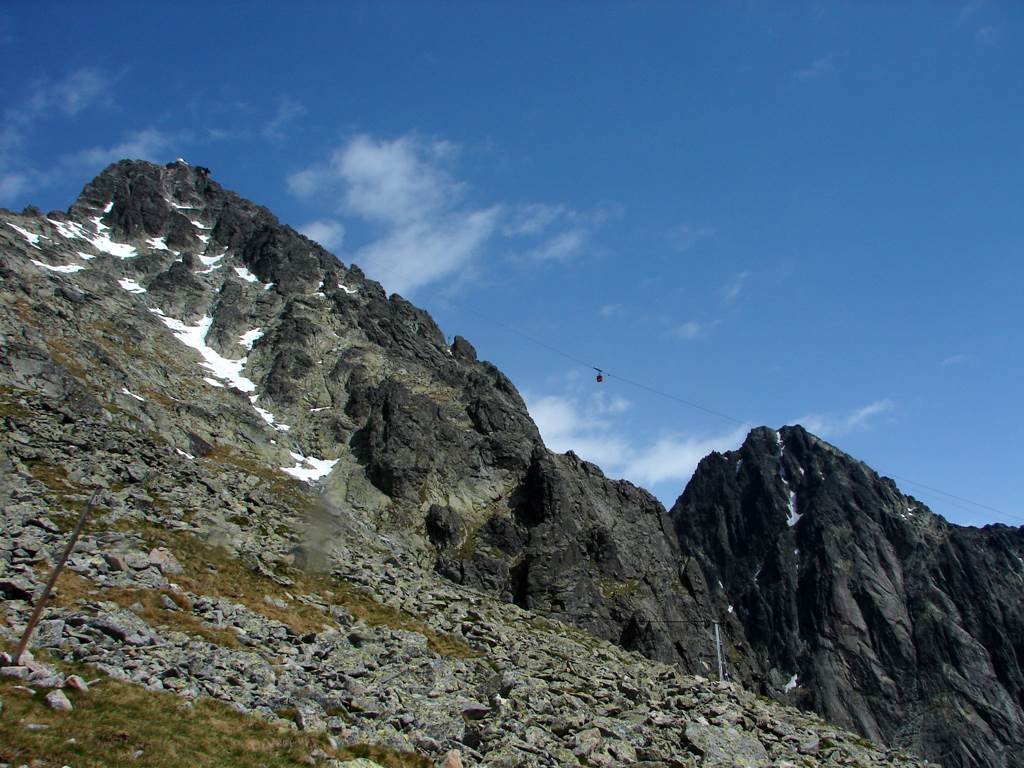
[59, 701]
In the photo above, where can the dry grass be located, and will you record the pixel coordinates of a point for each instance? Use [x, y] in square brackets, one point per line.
[119, 724]
[230, 578]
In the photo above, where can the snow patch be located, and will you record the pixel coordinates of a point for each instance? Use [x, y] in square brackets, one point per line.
[199, 224]
[794, 516]
[267, 416]
[730, 609]
[739, 464]
[213, 382]
[69, 229]
[186, 455]
[791, 684]
[102, 242]
[317, 410]
[85, 256]
[195, 336]
[309, 468]
[130, 285]
[108, 207]
[249, 338]
[246, 275]
[67, 268]
[347, 290]
[157, 243]
[132, 394]
[32, 237]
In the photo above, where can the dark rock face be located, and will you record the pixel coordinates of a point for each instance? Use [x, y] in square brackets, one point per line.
[895, 623]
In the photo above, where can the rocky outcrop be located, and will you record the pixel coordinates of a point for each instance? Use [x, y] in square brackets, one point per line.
[859, 602]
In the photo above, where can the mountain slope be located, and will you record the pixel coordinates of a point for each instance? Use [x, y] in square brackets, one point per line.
[888, 619]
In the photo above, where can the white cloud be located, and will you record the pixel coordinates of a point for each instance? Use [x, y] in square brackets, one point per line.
[394, 181]
[328, 232]
[732, 289]
[608, 310]
[588, 427]
[147, 144]
[688, 330]
[675, 457]
[581, 426]
[288, 111]
[957, 359]
[418, 253]
[422, 226]
[835, 425]
[820, 68]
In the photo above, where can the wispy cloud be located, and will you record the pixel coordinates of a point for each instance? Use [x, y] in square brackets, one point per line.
[988, 36]
[731, 290]
[65, 98]
[12, 185]
[328, 232]
[684, 236]
[560, 247]
[957, 359]
[534, 218]
[608, 310]
[288, 111]
[146, 144]
[423, 224]
[840, 424]
[588, 426]
[691, 329]
[403, 188]
[818, 69]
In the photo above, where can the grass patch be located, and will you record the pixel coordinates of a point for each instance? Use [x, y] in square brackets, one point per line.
[115, 720]
[230, 578]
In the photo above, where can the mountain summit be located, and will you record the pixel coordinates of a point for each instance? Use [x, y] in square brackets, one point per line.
[224, 380]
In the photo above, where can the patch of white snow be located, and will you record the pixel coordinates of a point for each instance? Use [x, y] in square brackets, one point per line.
[130, 285]
[67, 268]
[132, 394]
[246, 275]
[249, 338]
[186, 455]
[309, 468]
[347, 290]
[108, 207]
[158, 243]
[195, 336]
[102, 242]
[794, 516]
[32, 237]
[791, 684]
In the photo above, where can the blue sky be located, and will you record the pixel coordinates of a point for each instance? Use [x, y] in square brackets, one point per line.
[779, 212]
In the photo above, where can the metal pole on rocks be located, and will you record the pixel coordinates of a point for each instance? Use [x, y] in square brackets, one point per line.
[718, 652]
[41, 602]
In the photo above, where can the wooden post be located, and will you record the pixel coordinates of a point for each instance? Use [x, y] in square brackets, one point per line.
[718, 652]
[38, 611]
